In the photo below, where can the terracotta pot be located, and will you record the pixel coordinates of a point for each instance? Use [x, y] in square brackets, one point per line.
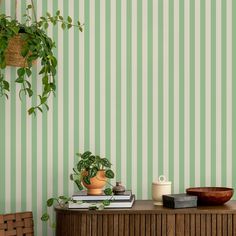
[97, 183]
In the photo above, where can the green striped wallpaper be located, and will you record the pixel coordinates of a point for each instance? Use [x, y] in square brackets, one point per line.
[149, 84]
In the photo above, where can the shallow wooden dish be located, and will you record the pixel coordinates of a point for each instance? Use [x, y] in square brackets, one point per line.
[211, 195]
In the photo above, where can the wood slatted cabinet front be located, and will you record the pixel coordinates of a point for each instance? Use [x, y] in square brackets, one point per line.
[146, 219]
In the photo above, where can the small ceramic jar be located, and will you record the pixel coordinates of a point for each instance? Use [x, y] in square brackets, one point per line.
[119, 189]
[159, 188]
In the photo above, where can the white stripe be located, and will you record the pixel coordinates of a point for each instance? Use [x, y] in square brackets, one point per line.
[18, 138]
[218, 93]
[134, 96]
[8, 134]
[113, 85]
[229, 92]
[186, 95]
[8, 143]
[50, 137]
[71, 78]
[208, 92]
[166, 88]
[102, 77]
[155, 89]
[144, 101]
[197, 93]
[123, 93]
[40, 171]
[60, 105]
[92, 76]
[81, 78]
[176, 96]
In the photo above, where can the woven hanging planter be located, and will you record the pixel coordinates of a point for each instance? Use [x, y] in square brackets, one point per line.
[13, 52]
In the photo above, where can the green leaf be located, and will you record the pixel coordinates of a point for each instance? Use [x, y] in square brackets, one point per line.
[21, 72]
[108, 191]
[69, 19]
[86, 179]
[93, 172]
[28, 72]
[79, 185]
[109, 174]
[63, 25]
[6, 85]
[30, 92]
[45, 25]
[58, 12]
[63, 198]
[80, 165]
[50, 202]
[48, 14]
[86, 154]
[45, 217]
[69, 26]
[61, 18]
[46, 105]
[19, 80]
[45, 80]
[106, 202]
[31, 111]
[105, 162]
[29, 6]
[78, 23]
[24, 51]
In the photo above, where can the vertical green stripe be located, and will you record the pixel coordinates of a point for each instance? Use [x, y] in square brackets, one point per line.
[97, 76]
[118, 90]
[181, 96]
[223, 94]
[129, 93]
[2, 144]
[66, 68]
[202, 93]
[171, 92]
[192, 93]
[34, 154]
[2, 156]
[160, 87]
[108, 78]
[213, 93]
[13, 140]
[55, 117]
[150, 96]
[86, 76]
[44, 153]
[76, 98]
[233, 93]
[139, 98]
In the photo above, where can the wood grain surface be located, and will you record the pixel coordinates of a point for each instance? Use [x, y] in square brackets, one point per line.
[145, 219]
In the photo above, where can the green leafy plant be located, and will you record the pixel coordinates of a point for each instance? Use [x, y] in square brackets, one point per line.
[37, 45]
[91, 164]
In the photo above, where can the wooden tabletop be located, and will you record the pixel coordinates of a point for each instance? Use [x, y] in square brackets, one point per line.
[147, 207]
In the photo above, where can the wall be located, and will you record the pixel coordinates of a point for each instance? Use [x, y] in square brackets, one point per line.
[149, 84]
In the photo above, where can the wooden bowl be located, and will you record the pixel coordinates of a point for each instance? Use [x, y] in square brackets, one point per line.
[211, 195]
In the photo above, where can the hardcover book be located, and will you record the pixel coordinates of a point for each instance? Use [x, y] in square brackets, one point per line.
[113, 204]
[83, 196]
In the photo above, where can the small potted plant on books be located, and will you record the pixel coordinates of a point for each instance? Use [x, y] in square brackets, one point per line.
[92, 172]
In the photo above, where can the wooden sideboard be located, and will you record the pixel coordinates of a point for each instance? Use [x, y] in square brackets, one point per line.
[146, 219]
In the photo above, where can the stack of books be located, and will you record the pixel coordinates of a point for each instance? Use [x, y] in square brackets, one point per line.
[82, 200]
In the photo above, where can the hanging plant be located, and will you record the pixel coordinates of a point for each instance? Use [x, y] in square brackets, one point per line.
[21, 44]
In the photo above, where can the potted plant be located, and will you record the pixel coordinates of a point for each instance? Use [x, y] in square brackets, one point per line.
[27, 42]
[91, 172]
